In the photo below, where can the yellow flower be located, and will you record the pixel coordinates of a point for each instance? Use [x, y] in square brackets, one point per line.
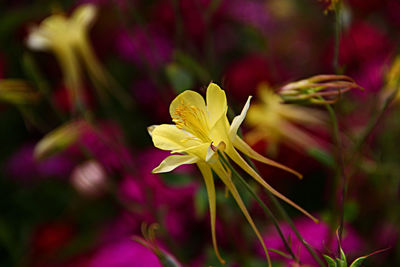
[274, 121]
[68, 39]
[197, 128]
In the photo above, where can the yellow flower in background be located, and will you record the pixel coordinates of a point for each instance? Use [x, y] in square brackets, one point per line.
[276, 122]
[67, 38]
[199, 131]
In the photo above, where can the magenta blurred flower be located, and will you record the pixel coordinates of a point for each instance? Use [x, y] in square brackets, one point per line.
[124, 253]
[364, 51]
[144, 47]
[366, 6]
[392, 11]
[319, 236]
[176, 203]
[24, 167]
[243, 76]
[104, 143]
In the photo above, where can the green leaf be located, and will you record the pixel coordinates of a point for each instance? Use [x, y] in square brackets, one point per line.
[343, 256]
[341, 263]
[357, 262]
[331, 262]
[179, 77]
[191, 64]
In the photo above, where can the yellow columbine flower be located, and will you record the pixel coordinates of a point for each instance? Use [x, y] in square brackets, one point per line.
[67, 38]
[274, 121]
[197, 128]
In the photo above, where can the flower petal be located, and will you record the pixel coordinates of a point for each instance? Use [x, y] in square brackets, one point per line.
[237, 121]
[209, 181]
[174, 161]
[37, 41]
[247, 150]
[225, 177]
[189, 98]
[84, 15]
[234, 155]
[216, 103]
[169, 137]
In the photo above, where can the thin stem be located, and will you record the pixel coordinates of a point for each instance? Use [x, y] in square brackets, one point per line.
[284, 214]
[262, 204]
[338, 27]
[373, 122]
[340, 168]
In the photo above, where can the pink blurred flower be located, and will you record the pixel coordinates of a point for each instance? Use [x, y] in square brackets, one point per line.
[124, 253]
[319, 236]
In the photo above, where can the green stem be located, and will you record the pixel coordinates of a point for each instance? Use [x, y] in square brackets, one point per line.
[262, 204]
[340, 169]
[373, 122]
[284, 214]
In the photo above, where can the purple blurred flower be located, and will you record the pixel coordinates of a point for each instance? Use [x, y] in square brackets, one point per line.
[319, 236]
[23, 166]
[142, 47]
[253, 13]
[150, 99]
[124, 253]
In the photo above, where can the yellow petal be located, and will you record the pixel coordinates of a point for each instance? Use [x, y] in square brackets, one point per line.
[84, 15]
[199, 151]
[219, 133]
[209, 181]
[247, 150]
[216, 103]
[237, 121]
[169, 137]
[174, 161]
[234, 155]
[219, 170]
[37, 41]
[189, 98]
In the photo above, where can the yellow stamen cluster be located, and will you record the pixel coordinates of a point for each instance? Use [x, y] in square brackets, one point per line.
[193, 120]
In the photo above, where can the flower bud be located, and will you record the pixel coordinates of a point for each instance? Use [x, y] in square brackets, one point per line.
[59, 139]
[17, 92]
[319, 89]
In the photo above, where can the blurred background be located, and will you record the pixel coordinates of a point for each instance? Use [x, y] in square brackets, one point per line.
[76, 182]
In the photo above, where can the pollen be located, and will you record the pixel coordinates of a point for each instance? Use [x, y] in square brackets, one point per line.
[193, 120]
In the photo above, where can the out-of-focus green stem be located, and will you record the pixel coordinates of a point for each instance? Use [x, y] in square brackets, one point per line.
[262, 204]
[340, 167]
[286, 217]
